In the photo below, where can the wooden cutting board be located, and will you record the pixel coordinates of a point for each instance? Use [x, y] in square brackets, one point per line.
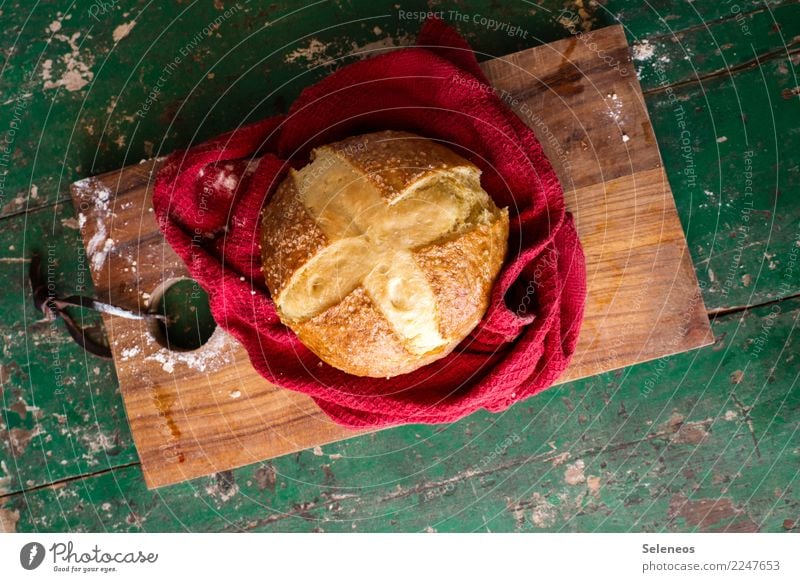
[195, 413]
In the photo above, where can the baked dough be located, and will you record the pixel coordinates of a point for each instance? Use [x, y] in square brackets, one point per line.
[381, 253]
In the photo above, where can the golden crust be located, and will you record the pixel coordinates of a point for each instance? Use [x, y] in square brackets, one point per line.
[365, 344]
[357, 334]
[289, 236]
[461, 272]
[395, 160]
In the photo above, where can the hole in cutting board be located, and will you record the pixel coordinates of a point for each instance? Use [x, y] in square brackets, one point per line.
[186, 306]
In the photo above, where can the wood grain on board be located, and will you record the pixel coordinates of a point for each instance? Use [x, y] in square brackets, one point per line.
[195, 413]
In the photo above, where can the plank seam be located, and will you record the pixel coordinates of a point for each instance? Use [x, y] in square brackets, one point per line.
[789, 50]
[60, 482]
[713, 314]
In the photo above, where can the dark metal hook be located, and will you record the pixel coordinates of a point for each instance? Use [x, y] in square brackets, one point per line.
[54, 307]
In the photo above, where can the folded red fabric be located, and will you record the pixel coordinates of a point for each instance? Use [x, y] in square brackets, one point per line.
[208, 201]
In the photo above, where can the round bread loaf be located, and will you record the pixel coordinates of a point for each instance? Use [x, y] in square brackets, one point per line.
[380, 254]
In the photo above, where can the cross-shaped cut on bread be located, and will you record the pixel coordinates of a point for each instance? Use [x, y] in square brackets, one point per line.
[373, 228]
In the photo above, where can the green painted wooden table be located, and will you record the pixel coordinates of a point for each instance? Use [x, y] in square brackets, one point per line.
[703, 441]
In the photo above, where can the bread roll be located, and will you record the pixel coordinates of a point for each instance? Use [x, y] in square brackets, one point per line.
[381, 253]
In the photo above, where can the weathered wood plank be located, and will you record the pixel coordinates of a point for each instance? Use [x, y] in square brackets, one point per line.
[703, 441]
[719, 48]
[61, 414]
[728, 146]
[75, 77]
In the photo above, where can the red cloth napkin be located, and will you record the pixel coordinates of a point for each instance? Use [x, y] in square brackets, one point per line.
[207, 200]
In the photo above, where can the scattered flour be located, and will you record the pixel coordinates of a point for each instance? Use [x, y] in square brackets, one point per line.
[643, 50]
[614, 107]
[225, 180]
[211, 356]
[100, 244]
[129, 353]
